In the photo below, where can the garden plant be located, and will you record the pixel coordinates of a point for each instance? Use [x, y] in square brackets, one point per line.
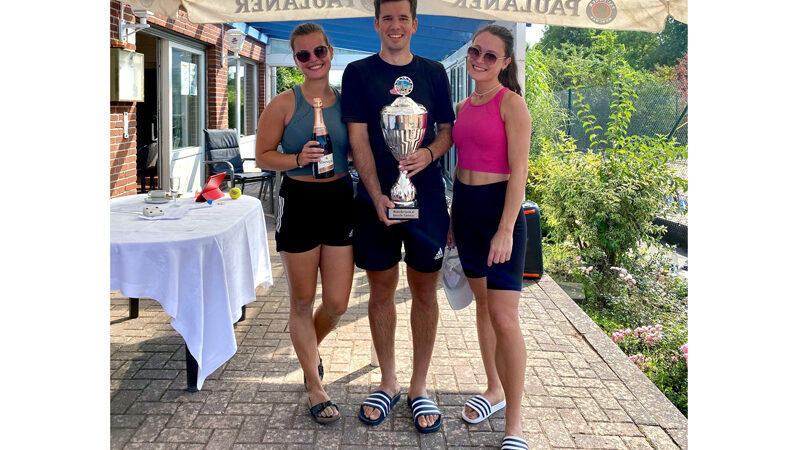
[598, 207]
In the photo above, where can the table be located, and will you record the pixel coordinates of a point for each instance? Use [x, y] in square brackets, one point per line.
[202, 268]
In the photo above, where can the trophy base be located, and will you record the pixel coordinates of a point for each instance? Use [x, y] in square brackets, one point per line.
[402, 213]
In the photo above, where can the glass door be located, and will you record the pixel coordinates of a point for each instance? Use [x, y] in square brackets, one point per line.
[183, 114]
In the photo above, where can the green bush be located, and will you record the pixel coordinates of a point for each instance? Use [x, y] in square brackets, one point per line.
[662, 354]
[287, 78]
[604, 200]
[598, 208]
[546, 114]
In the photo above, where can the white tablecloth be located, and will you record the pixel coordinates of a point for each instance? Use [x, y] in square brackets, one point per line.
[201, 268]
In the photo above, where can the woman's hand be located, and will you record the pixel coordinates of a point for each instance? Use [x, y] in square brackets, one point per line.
[500, 247]
[310, 153]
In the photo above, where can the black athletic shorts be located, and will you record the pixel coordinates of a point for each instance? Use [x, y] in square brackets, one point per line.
[477, 211]
[312, 214]
[378, 247]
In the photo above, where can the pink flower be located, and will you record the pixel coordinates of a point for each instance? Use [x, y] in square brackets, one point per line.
[685, 348]
[674, 358]
[578, 258]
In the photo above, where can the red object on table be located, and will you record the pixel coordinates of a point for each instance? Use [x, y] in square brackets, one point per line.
[211, 190]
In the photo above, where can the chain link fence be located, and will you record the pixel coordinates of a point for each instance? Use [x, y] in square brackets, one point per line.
[660, 109]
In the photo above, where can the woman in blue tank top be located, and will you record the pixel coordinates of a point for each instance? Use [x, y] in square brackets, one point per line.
[313, 223]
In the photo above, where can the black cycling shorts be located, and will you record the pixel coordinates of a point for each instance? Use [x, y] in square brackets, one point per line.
[477, 211]
[312, 214]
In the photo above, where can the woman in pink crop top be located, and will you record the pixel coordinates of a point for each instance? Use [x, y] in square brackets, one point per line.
[492, 138]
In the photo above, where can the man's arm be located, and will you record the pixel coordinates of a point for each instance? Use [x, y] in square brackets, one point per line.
[365, 165]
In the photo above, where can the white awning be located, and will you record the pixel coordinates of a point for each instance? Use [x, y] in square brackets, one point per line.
[636, 15]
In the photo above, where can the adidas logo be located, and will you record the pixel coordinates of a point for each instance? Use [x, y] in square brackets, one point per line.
[351, 234]
[439, 254]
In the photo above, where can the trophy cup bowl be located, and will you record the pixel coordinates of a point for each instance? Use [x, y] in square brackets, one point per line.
[403, 124]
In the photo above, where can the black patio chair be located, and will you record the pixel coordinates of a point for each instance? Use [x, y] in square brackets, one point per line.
[222, 155]
[146, 160]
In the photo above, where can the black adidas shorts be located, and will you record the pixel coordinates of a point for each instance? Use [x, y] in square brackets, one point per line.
[378, 247]
[312, 214]
[477, 211]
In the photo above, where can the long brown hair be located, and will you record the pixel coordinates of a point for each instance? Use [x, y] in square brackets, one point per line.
[507, 76]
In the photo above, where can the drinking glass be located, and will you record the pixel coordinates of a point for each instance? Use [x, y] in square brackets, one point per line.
[174, 188]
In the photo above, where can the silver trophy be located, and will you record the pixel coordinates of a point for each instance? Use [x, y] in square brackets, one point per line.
[403, 124]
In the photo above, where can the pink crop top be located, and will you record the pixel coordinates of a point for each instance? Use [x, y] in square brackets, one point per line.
[480, 137]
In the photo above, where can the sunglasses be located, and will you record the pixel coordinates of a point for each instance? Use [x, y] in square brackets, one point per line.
[304, 55]
[488, 58]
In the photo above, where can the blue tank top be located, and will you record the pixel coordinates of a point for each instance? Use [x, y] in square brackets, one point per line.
[300, 128]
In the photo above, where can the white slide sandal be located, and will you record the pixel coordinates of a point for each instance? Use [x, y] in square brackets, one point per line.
[482, 407]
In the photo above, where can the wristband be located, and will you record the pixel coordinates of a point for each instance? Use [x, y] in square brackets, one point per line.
[431, 152]
[297, 159]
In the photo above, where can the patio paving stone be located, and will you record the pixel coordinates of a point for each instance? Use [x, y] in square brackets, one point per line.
[581, 391]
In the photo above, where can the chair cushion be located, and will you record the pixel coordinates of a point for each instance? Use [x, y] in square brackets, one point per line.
[249, 176]
[223, 145]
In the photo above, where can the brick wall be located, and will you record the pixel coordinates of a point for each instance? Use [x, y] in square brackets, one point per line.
[123, 150]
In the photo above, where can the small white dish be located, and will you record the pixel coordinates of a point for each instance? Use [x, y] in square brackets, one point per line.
[157, 200]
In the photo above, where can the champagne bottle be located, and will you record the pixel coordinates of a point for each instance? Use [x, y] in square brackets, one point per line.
[324, 167]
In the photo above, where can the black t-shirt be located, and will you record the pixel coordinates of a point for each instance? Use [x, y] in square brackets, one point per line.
[365, 91]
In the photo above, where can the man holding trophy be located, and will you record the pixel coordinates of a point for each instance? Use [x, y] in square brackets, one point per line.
[399, 117]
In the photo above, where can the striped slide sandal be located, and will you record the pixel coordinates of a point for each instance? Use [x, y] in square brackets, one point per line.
[382, 402]
[423, 406]
[514, 443]
[482, 407]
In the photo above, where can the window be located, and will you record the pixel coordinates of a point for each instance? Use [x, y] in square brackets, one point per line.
[461, 85]
[187, 90]
[246, 111]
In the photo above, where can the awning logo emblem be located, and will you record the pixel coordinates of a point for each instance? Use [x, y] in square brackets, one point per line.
[601, 12]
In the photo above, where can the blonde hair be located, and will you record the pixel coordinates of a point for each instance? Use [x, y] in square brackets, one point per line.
[305, 29]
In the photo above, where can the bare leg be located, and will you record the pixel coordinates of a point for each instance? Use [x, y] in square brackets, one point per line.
[511, 355]
[424, 319]
[336, 268]
[301, 272]
[487, 342]
[382, 324]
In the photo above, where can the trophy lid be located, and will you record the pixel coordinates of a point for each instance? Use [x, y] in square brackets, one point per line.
[403, 106]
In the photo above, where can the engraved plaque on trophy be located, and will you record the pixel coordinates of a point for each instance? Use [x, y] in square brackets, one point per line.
[403, 124]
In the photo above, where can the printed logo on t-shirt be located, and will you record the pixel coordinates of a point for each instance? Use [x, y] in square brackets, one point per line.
[351, 234]
[439, 254]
